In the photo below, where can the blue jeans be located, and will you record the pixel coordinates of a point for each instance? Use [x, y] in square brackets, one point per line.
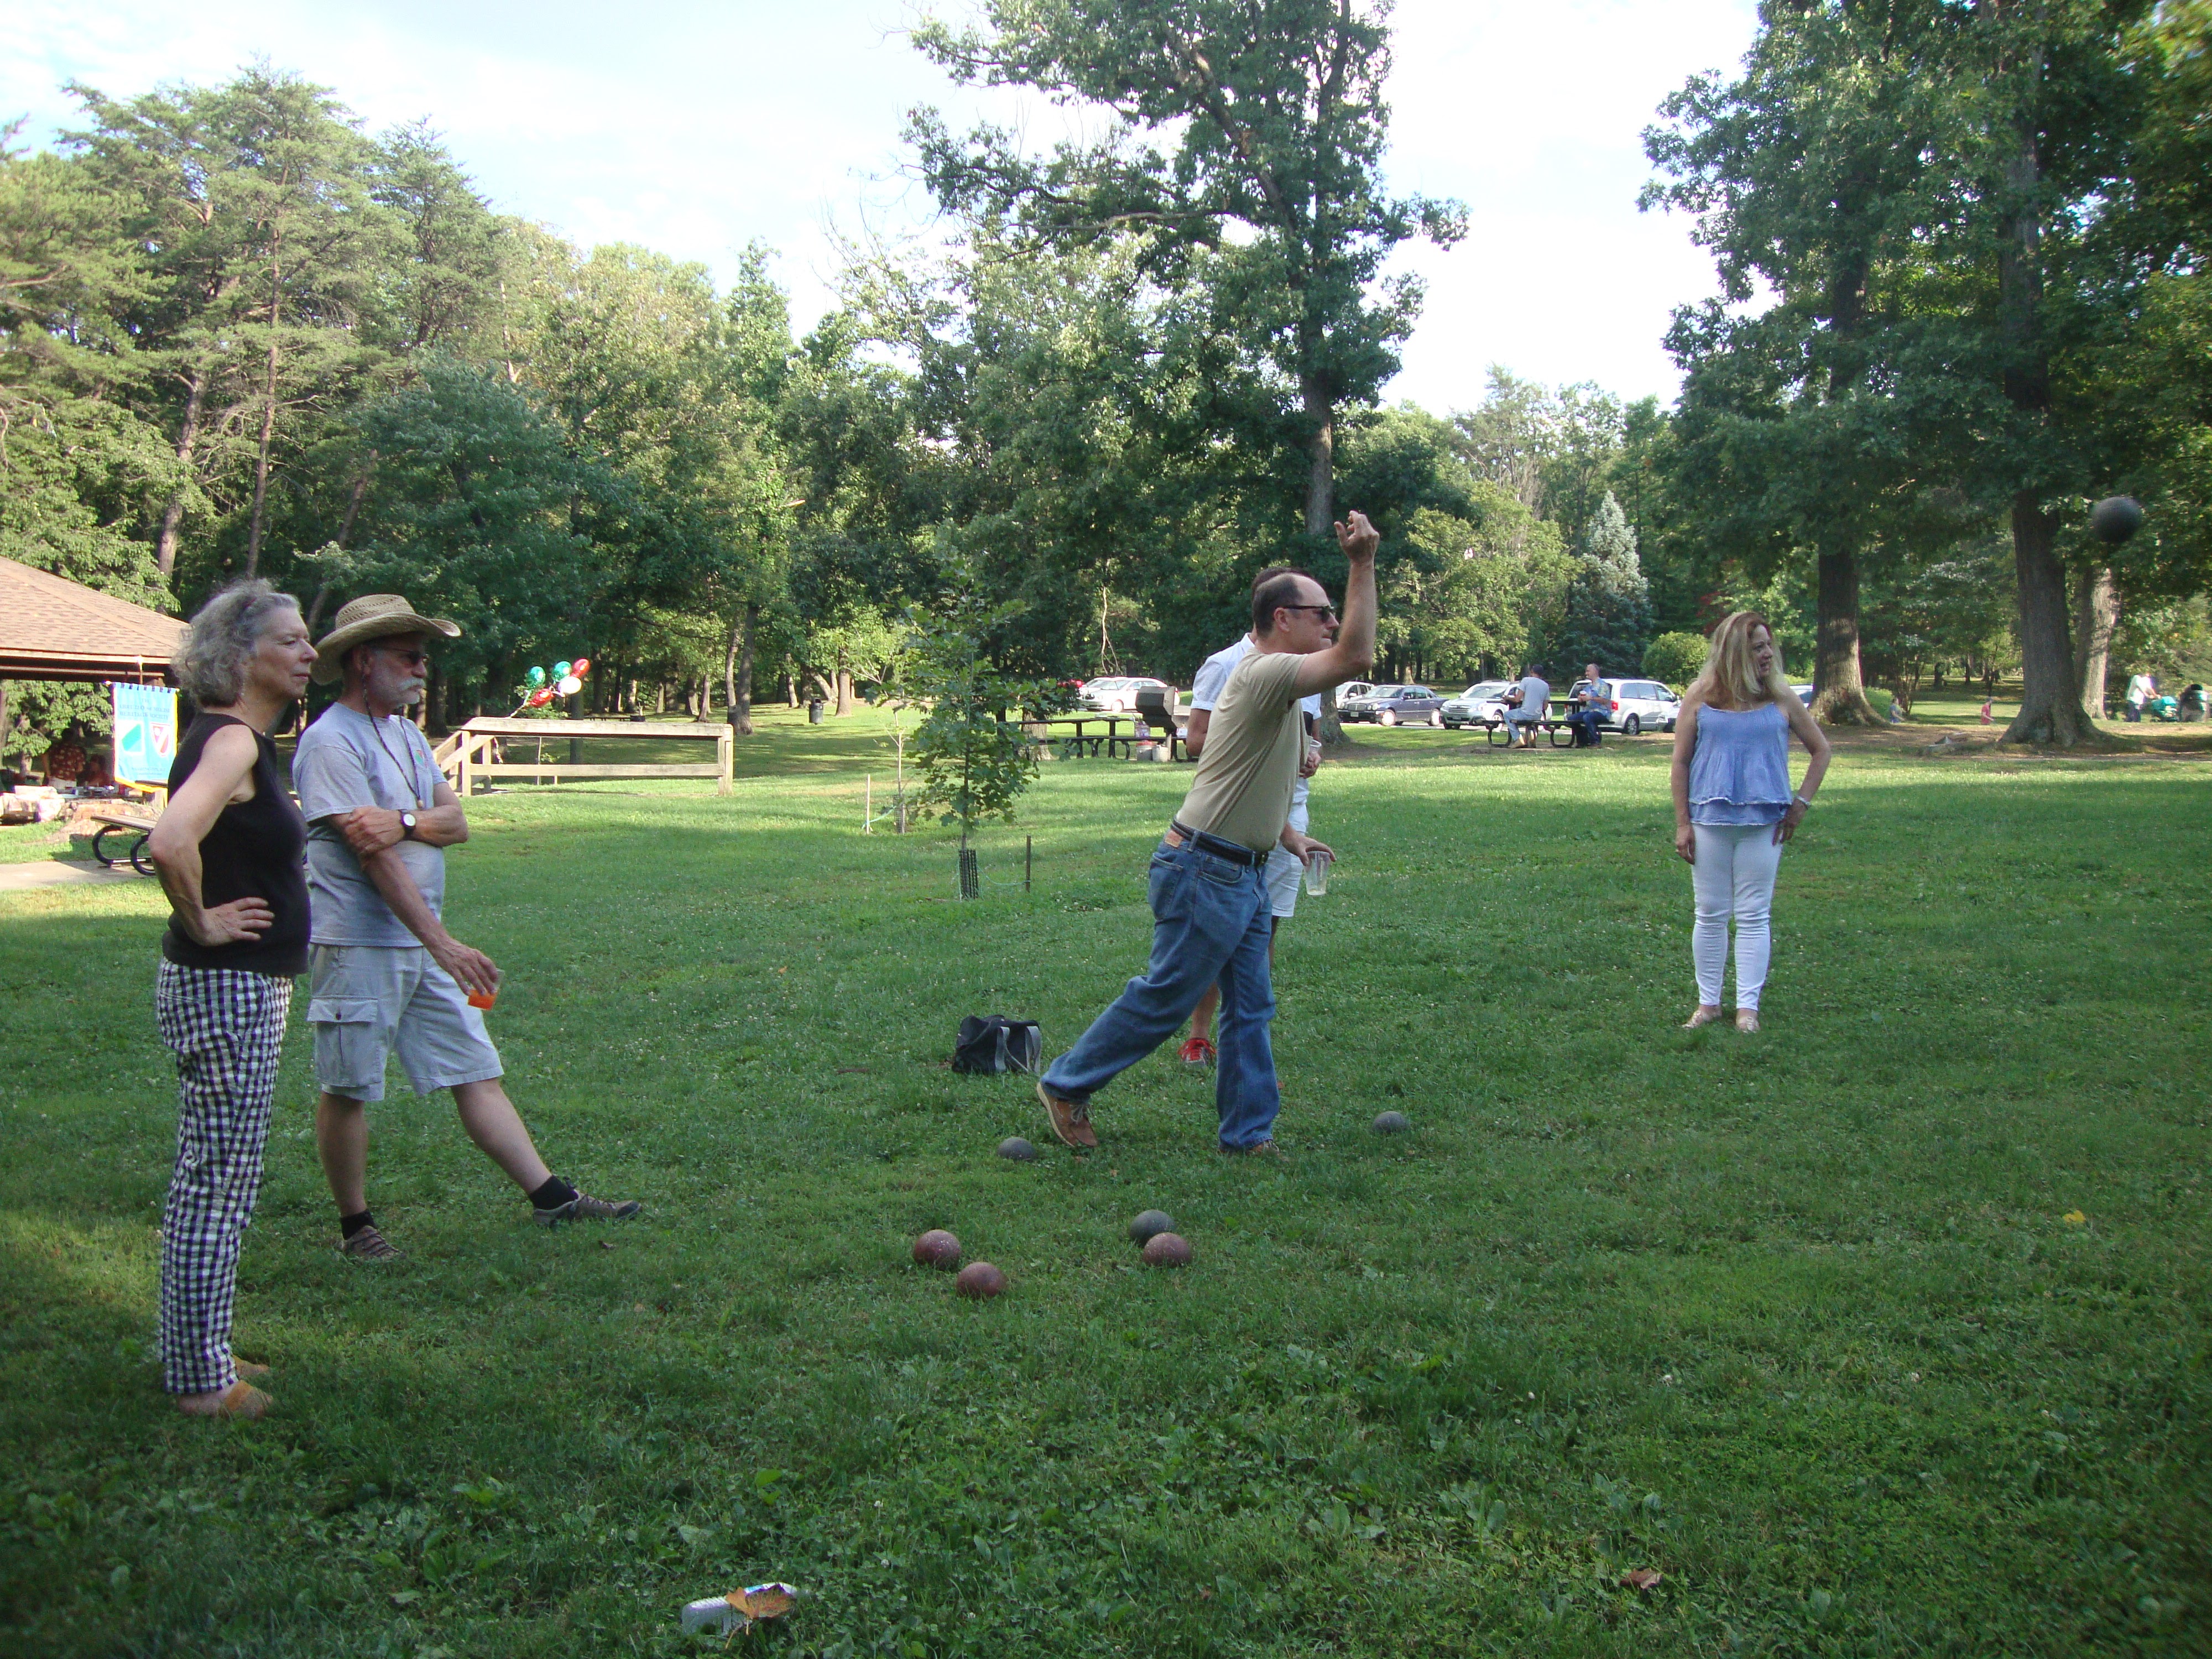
[1211, 924]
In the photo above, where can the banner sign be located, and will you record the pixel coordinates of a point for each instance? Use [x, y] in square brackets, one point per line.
[145, 733]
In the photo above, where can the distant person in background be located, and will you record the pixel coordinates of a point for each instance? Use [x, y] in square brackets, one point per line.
[1587, 721]
[1988, 710]
[1535, 699]
[2141, 688]
[64, 761]
[229, 850]
[2191, 706]
[1896, 709]
[1734, 808]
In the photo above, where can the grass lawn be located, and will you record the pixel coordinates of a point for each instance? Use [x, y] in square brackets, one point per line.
[1882, 1332]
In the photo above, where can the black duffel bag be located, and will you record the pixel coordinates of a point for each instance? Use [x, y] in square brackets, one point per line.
[991, 1043]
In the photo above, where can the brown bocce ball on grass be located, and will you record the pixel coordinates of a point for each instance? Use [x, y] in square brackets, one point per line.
[981, 1280]
[936, 1248]
[1166, 1250]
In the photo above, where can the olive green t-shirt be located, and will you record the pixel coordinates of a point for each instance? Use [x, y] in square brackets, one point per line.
[1250, 762]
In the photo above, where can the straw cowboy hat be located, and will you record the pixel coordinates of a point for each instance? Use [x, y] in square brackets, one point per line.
[371, 616]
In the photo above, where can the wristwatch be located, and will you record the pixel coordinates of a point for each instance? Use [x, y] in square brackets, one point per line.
[407, 826]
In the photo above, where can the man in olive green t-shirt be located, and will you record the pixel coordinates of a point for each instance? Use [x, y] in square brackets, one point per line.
[1211, 918]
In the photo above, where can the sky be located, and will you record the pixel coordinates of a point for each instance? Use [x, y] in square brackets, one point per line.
[695, 127]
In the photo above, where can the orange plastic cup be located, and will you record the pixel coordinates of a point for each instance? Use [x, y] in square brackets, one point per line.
[482, 999]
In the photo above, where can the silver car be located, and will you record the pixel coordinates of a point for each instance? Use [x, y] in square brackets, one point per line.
[1481, 704]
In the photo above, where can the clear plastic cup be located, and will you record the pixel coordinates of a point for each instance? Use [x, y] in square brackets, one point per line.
[1317, 873]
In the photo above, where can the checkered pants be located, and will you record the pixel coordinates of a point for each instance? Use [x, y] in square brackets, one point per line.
[226, 1027]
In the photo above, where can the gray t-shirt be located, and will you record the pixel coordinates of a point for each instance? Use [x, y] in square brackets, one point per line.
[346, 760]
[1535, 694]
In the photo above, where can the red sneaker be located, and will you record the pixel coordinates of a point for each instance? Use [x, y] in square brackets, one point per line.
[1197, 1051]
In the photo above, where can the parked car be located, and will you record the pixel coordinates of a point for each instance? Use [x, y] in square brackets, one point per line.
[1482, 703]
[1116, 694]
[1350, 689]
[1804, 694]
[1634, 705]
[1396, 704]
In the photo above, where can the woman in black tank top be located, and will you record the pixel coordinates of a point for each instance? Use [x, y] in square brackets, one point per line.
[230, 851]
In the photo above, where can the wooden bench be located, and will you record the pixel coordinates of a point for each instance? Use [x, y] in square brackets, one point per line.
[467, 755]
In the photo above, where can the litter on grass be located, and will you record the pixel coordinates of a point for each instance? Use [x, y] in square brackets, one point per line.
[739, 1609]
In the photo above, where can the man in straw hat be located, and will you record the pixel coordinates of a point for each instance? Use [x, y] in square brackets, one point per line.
[386, 973]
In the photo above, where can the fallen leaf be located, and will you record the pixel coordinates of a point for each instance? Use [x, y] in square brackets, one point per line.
[2074, 1218]
[1641, 1578]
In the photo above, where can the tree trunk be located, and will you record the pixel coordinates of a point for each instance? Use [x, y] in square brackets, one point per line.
[1321, 457]
[268, 425]
[2051, 693]
[741, 674]
[791, 689]
[188, 435]
[844, 691]
[2096, 613]
[1842, 700]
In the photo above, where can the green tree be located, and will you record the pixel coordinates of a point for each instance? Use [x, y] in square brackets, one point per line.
[1675, 658]
[1607, 616]
[1271, 196]
[973, 756]
[264, 242]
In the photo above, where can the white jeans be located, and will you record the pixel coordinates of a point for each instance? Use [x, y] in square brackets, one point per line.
[1734, 875]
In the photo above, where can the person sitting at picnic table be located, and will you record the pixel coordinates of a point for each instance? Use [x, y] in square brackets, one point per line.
[1535, 698]
[1585, 722]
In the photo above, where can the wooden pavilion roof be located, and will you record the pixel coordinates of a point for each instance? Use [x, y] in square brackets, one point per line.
[52, 629]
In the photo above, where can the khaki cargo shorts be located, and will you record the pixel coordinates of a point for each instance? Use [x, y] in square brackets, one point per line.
[365, 1000]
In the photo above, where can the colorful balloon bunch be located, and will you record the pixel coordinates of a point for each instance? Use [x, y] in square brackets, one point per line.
[566, 680]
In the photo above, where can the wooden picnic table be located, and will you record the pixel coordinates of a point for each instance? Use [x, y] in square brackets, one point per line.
[1111, 741]
[1551, 725]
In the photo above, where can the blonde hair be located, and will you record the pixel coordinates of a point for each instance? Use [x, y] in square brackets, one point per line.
[1731, 672]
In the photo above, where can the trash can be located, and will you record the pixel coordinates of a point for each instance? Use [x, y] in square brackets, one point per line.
[814, 711]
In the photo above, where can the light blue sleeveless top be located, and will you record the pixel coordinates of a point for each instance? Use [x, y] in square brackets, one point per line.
[1740, 771]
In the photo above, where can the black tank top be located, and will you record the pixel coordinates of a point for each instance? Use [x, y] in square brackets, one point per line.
[256, 849]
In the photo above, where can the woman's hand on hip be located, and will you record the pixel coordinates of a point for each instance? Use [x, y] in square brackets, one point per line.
[1685, 842]
[238, 922]
[1787, 825]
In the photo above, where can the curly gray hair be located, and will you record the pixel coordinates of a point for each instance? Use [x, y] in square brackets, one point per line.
[210, 665]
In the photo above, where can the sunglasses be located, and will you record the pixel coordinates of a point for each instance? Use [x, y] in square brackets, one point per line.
[411, 659]
[1319, 610]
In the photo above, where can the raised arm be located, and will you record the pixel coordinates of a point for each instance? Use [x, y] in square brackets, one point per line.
[1353, 654]
[225, 761]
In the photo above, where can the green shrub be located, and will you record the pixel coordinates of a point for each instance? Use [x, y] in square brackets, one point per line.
[1881, 698]
[1677, 659]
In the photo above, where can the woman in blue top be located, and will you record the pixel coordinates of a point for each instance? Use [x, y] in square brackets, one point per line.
[1733, 807]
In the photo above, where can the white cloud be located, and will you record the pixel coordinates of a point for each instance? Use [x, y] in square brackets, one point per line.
[695, 128]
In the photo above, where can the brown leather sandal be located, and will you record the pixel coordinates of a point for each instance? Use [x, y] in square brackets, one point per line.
[240, 1399]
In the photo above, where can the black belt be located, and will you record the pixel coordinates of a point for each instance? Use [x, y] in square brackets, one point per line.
[1234, 852]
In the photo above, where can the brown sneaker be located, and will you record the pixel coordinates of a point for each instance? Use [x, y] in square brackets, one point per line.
[370, 1245]
[1257, 1148]
[1071, 1120]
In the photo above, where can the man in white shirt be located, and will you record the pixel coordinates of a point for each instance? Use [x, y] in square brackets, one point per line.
[2141, 690]
[1535, 701]
[1284, 867]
